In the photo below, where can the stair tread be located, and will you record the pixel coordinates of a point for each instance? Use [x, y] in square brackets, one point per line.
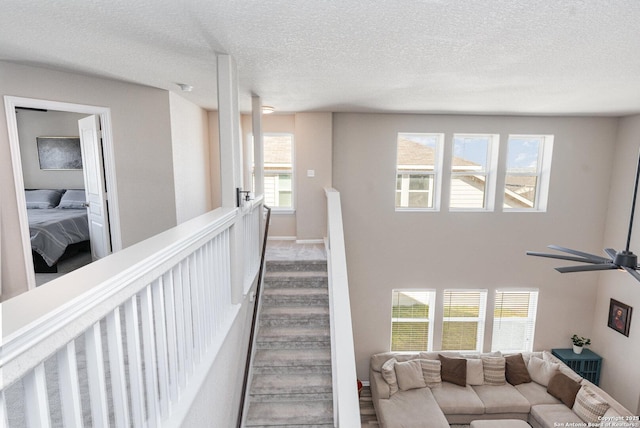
[291, 383]
[300, 291]
[292, 357]
[297, 274]
[295, 311]
[285, 333]
[287, 413]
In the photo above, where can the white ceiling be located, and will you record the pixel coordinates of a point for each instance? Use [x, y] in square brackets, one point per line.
[439, 56]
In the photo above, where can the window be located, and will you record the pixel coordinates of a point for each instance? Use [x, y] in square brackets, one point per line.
[528, 171]
[463, 320]
[514, 320]
[472, 176]
[412, 320]
[418, 171]
[278, 170]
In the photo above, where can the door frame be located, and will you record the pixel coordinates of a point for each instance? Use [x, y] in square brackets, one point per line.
[10, 104]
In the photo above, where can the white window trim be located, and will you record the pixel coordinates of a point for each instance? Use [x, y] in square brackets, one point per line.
[543, 173]
[532, 315]
[437, 173]
[490, 173]
[481, 319]
[430, 320]
[294, 193]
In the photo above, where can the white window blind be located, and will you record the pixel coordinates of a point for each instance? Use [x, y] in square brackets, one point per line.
[514, 320]
[412, 320]
[463, 320]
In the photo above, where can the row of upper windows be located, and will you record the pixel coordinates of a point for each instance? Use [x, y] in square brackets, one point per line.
[474, 163]
[463, 320]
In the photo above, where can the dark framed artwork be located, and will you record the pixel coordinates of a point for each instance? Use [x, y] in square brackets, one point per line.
[619, 317]
[59, 152]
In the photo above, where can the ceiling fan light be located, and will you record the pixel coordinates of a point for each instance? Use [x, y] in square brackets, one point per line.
[268, 109]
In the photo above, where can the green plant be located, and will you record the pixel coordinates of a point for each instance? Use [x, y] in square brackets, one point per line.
[580, 341]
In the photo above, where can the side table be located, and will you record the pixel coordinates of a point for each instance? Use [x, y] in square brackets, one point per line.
[587, 364]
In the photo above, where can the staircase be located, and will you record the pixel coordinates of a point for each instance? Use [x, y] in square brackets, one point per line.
[291, 383]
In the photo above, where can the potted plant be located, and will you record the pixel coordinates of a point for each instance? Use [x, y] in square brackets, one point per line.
[579, 343]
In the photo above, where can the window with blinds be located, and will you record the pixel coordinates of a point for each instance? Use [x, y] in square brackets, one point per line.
[514, 320]
[463, 320]
[412, 320]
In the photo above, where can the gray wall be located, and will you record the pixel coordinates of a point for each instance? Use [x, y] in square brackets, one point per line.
[388, 250]
[142, 143]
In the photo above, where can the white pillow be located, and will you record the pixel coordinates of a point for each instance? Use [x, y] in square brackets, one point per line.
[475, 373]
[409, 375]
[589, 406]
[388, 372]
[431, 372]
[542, 371]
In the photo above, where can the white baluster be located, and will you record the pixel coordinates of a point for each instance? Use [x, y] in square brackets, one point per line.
[116, 365]
[36, 401]
[149, 351]
[69, 387]
[157, 291]
[136, 386]
[95, 375]
[172, 332]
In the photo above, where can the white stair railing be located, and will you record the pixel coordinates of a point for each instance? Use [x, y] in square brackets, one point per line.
[346, 405]
[127, 340]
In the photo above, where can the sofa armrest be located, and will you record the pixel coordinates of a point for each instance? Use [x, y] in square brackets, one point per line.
[617, 407]
[379, 388]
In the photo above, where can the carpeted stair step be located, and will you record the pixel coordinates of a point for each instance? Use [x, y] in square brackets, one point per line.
[295, 296]
[305, 279]
[294, 316]
[274, 384]
[268, 398]
[293, 337]
[288, 358]
[282, 413]
[296, 266]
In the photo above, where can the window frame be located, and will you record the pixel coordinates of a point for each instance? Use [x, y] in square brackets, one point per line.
[481, 319]
[531, 319]
[543, 172]
[436, 186]
[489, 172]
[277, 209]
[431, 293]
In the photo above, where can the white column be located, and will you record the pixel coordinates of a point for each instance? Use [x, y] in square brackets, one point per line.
[258, 148]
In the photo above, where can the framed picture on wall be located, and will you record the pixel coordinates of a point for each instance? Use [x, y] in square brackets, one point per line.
[619, 317]
[61, 153]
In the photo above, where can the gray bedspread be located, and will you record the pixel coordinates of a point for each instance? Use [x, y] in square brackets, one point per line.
[52, 230]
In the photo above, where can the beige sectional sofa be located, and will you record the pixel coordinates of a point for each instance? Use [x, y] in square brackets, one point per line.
[408, 393]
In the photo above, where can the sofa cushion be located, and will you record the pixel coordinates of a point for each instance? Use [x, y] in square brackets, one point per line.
[409, 375]
[416, 408]
[550, 415]
[542, 371]
[563, 388]
[566, 370]
[458, 400]
[431, 372]
[516, 370]
[589, 405]
[453, 370]
[378, 360]
[536, 394]
[475, 373]
[389, 375]
[502, 399]
[494, 370]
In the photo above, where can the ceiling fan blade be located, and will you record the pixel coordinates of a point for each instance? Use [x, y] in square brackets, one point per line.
[611, 253]
[579, 253]
[633, 272]
[587, 268]
[561, 257]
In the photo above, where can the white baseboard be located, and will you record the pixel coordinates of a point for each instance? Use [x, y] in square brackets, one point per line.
[309, 241]
[281, 238]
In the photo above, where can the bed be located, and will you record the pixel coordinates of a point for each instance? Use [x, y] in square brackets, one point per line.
[58, 225]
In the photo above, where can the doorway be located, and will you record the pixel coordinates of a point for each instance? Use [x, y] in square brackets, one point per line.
[102, 146]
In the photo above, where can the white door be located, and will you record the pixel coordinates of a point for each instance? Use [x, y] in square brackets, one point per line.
[94, 185]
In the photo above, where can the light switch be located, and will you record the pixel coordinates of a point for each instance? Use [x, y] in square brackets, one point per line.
[311, 173]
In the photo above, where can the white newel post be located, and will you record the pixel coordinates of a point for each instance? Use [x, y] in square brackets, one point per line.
[231, 162]
[258, 149]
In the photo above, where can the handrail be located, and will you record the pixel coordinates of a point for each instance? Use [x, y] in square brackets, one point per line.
[245, 380]
[345, 395]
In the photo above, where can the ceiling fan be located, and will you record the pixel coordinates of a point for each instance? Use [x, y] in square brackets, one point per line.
[617, 259]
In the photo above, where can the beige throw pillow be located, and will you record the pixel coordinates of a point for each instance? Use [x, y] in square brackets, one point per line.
[589, 406]
[431, 372]
[475, 373]
[409, 375]
[388, 372]
[494, 370]
[542, 371]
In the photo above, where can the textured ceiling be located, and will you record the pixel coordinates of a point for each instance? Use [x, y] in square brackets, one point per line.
[512, 57]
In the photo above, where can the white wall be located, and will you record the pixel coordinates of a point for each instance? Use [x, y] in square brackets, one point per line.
[191, 158]
[142, 145]
[620, 373]
[33, 124]
[388, 250]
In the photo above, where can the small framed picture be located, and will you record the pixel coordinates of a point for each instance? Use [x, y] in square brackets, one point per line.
[619, 317]
[59, 153]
